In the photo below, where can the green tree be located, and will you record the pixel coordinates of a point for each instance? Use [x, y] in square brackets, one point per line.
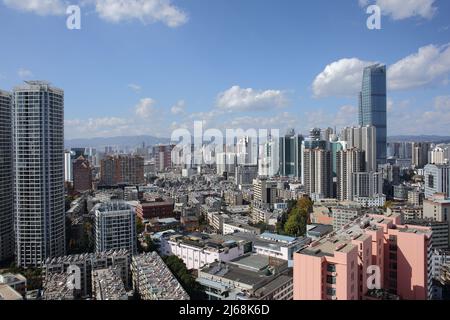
[140, 227]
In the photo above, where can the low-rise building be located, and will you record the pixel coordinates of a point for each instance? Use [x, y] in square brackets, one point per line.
[250, 277]
[152, 279]
[108, 285]
[16, 281]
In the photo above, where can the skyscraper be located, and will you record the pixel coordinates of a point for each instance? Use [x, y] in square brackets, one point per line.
[6, 177]
[348, 162]
[373, 106]
[290, 154]
[363, 138]
[122, 169]
[82, 175]
[38, 128]
[318, 172]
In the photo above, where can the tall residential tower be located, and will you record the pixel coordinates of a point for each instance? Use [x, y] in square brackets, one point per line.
[6, 176]
[38, 128]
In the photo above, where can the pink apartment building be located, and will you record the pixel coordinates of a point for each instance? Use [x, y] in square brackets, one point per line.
[335, 267]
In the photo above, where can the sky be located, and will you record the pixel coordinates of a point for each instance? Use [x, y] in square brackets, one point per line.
[152, 66]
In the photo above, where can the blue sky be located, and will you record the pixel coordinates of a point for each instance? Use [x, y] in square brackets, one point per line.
[151, 66]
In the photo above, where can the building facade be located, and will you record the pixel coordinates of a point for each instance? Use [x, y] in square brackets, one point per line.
[39, 172]
[6, 178]
[373, 106]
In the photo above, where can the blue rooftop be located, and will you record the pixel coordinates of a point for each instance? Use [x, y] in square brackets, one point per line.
[277, 237]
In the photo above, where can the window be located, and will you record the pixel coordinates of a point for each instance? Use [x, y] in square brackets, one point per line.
[331, 280]
[331, 268]
[331, 291]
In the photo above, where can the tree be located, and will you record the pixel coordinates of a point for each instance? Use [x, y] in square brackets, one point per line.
[186, 279]
[297, 218]
[140, 227]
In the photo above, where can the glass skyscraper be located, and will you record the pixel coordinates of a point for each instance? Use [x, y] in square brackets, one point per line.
[372, 106]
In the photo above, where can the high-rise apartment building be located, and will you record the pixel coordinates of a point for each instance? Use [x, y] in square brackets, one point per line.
[373, 106]
[318, 172]
[163, 156]
[265, 191]
[348, 162]
[6, 178]
[39, 172]
[437, 180]
[290, 154]
[367, 184]
[122, 169]
[365, 139]
[82, 175]
[115, 227]
[439, 155]
[420, 154]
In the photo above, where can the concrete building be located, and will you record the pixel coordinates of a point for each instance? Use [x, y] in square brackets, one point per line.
[437, 180]
[348, 162]
[439, 155]
[9, 294]
[6, 178]
[265, 191]
[245, 174]
[16, 281]
[317, 177]
[250, 277]
[82, 175]
[365, 139]
[152, 279]
[344, 214]
[336, 267]
[115, 227]
[88, 262]
[122, 170]
[420, 154]
[157, 207]
[437, 208]
[163, 157]
[197, 250]
[68, 166]
[39, 172]
[108, 285]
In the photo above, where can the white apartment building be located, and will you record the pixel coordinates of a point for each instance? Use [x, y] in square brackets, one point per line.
[115, 227]
[38, 133]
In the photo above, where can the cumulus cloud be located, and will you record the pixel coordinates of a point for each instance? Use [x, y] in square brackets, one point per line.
[147, 11]
[178, 108]
[24, 73]
[40, 7]
[429, 64]
[404, 9]
[145, 108]
[340, 78]
[240, 99]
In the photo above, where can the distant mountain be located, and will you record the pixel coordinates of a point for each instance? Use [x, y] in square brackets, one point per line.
[122, 141]
[421, 138]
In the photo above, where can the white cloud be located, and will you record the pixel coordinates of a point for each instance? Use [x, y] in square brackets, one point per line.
[147, 11]
[340, 78]
[442, 103]
[178, 108]
[135, 87]
[403, 9]
[145, 108]
[431, 63]
[24, 73]
[40, 7]
[239, 99]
